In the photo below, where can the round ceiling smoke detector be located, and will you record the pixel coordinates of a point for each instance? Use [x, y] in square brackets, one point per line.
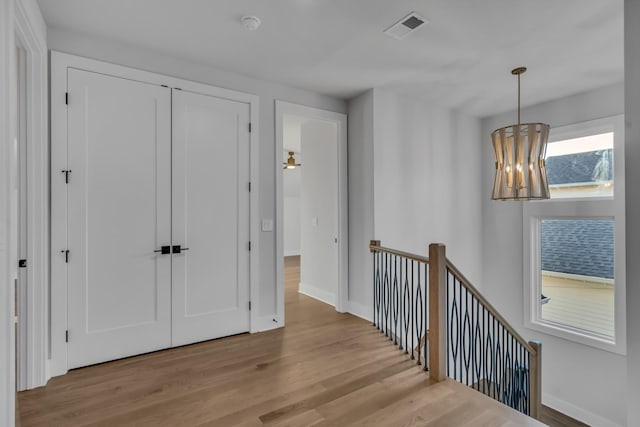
[250, 22]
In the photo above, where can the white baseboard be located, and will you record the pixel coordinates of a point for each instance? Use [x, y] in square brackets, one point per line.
[265, 323]
[574, 411]
[317, 293]
[292, 253]
[359, 310]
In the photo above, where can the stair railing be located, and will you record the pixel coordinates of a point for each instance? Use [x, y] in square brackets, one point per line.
[427, 302]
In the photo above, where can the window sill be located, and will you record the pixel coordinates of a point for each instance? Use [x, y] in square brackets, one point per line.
[578, 336]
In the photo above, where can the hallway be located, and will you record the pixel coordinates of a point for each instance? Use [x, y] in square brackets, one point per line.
[323, 369]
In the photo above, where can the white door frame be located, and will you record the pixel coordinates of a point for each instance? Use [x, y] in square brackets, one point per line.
[7, 252]
[30, 34]
[60, 62]
[340, 120]
[21, 18]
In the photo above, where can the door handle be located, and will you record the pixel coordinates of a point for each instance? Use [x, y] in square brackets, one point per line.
[177, 249]
[164, 250]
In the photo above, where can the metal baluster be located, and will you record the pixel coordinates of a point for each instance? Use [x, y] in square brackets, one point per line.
[460, 328]
[448, 333]
[413, 323]
[395, 300]
[418, 316]
[454, 318]
[496, 355]
[485, 383]
[374, 288]
[426, 314]
[386, 295]
[406, 306]
[528, 383]
[401, 306]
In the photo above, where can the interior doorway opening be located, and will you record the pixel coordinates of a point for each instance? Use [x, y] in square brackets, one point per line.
[311, 194]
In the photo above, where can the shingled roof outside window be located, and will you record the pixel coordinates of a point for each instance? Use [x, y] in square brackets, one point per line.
[580, 247]
[578, 168]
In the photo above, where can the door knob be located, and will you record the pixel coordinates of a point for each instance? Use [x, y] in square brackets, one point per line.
[164, 250]
[177, 249]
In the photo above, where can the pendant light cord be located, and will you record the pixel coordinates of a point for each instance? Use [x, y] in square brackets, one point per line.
[518, 100]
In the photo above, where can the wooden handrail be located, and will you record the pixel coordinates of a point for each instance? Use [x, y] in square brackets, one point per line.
[378, 248]
[467, 284]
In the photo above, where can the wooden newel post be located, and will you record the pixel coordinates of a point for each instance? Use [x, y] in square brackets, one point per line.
[372, 245]
[536, 379]
[437, 312]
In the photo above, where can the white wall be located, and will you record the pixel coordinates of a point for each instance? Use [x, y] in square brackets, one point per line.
[632, 201]
[427, 185]
[414, 179]
[361, 214]
[581, 381]
[268, 92]
[319, 211]
[291, 225]
[291, 184]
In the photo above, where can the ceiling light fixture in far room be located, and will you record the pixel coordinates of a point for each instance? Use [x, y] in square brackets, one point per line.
[520, 151]
[250, 22]
[291, 162]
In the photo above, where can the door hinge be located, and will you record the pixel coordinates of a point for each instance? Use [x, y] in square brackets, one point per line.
[249, 245]
[66, 175]
[22, 263]
[249, 127]
[66, 255]
[66, 336]
[66, 98]
[249, 305]
[249, 187]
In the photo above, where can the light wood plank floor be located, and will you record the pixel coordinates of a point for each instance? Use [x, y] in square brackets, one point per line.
[323, 369]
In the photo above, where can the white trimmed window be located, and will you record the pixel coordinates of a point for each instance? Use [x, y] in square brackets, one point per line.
[574, 243]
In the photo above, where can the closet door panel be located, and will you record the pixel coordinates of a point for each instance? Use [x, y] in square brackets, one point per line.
[119, 205]
[210, 217]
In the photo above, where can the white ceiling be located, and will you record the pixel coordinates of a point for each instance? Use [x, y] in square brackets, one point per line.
[461, 59]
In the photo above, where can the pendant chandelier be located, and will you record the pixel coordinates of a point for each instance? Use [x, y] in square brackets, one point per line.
[291, 162]
[520, 151]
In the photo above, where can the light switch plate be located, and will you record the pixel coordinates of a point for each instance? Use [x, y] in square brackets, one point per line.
[267, 225]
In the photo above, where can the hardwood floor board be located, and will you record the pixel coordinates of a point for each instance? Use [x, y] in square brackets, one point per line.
[341, 384]
[336, 391]
[306, 419]
[405, 411]
[379, 395]
[253, 410]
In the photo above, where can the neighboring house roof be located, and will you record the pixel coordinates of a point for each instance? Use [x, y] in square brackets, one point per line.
[581, 167]
[582, 247]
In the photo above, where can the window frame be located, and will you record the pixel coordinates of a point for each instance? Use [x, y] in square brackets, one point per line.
[587, 208]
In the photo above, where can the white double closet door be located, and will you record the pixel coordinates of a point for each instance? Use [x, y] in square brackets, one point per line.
[150, 167]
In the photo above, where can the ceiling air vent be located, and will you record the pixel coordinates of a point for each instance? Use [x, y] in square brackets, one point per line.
[405, 26]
